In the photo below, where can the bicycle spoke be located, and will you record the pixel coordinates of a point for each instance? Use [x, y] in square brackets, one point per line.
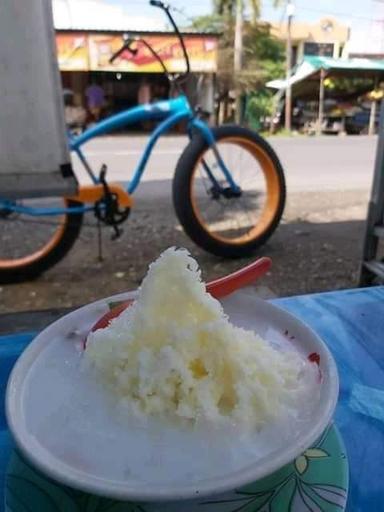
[232, 217]
[25, 239]
[246, 214]
[239, 167]
[204, 184]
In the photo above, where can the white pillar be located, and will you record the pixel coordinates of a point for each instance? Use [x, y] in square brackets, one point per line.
[372, 115]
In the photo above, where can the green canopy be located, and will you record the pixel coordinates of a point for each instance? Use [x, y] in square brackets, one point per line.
[308, 70]
[308, 81]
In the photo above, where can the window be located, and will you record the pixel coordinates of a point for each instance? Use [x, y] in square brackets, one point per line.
[321, 49]
[294, 55]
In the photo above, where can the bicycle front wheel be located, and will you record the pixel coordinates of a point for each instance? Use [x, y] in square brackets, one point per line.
[29, 245]
[223, 223]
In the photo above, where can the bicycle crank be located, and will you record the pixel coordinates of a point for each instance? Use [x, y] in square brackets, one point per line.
[108, 210]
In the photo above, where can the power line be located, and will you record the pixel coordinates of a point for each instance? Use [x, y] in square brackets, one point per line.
[299, 7]
[327, 11]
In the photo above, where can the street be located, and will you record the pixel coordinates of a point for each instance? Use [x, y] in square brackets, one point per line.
[310, 163]
[317, 247]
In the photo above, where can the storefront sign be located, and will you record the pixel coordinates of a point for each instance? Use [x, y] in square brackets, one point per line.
[72, 52]
[91, 52]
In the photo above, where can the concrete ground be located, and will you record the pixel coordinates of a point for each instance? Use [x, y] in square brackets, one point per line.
[316, 248]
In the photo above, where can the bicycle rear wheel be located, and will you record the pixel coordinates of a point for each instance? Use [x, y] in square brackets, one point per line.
[221, 222]
[29, 245]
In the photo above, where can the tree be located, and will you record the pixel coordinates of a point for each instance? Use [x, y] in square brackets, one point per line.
[209, 23]
[227, 8]
[263, 60]
[249, 45]
[234, 9]
[263, 55]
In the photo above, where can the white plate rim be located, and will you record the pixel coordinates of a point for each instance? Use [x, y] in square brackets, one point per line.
[123, 491]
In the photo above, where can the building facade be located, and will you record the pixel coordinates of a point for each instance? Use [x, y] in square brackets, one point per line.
[84, 59]
[326, 38]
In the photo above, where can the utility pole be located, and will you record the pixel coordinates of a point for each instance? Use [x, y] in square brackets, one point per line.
[320, 118]
[288, 91]
[237, 64]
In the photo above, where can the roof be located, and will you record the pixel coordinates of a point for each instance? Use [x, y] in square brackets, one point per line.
[357, 64]
[99, 16]
[190, 33]
[310, 66]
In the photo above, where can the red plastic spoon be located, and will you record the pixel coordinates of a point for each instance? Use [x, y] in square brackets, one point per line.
[218, 288]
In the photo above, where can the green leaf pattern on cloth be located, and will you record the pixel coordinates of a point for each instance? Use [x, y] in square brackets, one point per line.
[301, 464]
[317, 481]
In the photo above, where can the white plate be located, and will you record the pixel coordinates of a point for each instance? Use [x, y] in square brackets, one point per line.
[70, 430]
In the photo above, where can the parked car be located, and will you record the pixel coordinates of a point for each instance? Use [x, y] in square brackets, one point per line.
[358, 123]
[351, 118]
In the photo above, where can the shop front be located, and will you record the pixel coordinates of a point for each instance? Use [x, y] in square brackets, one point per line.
[89, 77]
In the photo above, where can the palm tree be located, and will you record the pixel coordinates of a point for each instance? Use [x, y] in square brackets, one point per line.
[234, 11]
[228, 7]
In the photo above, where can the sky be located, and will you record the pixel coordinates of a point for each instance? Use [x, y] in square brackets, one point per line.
[365, 17]
[355, 11]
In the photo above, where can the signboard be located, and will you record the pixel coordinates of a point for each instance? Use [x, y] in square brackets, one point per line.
[72, 52]
[91, 52]
[201, 50]
[34, 157]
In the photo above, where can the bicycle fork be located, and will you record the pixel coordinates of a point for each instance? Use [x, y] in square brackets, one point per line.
[233, 190]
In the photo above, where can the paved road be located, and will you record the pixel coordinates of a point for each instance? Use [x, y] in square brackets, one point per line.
[311, 164]
[317, 246]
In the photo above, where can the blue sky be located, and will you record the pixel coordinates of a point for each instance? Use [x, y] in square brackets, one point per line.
[354, 12]
[365, 17]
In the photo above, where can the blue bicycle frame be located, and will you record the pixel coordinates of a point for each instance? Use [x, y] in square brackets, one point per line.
[169, 112]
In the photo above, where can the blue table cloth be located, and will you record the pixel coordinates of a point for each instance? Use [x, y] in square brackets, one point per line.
[351, 322]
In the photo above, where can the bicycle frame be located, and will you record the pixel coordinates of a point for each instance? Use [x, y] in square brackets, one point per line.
[169, 112]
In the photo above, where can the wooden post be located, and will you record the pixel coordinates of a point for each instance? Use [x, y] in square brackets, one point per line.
[321, 102]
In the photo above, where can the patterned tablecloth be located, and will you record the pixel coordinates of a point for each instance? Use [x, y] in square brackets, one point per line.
[351, 322]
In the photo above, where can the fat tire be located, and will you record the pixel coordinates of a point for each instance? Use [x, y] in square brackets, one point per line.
[182, 194]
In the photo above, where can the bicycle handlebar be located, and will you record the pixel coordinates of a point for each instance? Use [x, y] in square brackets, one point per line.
[133, 51]
[157, 3]
[166, 9]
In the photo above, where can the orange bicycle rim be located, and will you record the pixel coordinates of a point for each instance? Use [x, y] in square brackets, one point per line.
[40, 253]
[273, 194]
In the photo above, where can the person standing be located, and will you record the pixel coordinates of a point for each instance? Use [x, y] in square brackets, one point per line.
[144, 94]
[95, 100]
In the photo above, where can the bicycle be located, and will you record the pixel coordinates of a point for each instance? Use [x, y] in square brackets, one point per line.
[225, 208]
